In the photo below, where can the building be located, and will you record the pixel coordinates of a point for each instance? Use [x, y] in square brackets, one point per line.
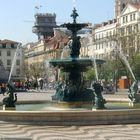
[120, 5]
[103, 39]
[44, 24]
[121, 32]
[11, 58]
[129, 29]
[38, 54]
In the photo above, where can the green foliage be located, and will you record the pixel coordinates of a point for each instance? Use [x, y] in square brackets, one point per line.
[90, 75]
[135, 64]
[106, 70]
[62, 74]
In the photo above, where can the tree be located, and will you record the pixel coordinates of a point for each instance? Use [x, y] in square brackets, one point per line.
[136, 66]
[90, 75]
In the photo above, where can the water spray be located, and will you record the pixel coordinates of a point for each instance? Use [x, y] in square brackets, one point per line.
[13, 61]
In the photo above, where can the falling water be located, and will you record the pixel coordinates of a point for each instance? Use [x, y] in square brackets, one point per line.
[124, 59]
[95, 66]
[66, 51]
[14, 60]
[64, 54]
[122, 56]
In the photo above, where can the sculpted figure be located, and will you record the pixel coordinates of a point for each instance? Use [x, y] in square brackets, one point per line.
[10, 100]
[99, 100]
[133, 96]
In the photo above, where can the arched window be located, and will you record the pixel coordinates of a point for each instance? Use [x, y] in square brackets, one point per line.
[123, 6]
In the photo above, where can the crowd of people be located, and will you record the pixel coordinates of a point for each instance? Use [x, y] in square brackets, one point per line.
[24, 85]
[34, 84]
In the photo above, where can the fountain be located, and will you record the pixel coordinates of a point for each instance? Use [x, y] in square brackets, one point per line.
[73, 90]
[9, 102]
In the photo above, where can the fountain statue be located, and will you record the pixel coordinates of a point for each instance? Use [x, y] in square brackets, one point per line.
[73, 88]
[133, 93]
[99, 100]
[9, 102]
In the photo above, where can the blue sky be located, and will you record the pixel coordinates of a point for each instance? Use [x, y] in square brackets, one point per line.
[17, 16]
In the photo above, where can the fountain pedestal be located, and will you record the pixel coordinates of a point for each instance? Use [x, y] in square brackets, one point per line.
[9, 108]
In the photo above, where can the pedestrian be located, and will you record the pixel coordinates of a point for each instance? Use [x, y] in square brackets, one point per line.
[41, 84]
[3, 89]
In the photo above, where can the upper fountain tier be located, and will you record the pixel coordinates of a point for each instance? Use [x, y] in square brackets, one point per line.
[74, 62]
[74, 27]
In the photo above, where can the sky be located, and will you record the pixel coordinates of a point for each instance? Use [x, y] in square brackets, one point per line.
[17, 16]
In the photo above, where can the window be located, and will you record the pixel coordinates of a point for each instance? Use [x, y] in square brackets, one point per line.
[123, 19]
[126, 19]
[130, 17]
[129, 29]
[1, 62]
[136, 28]
[12, 45]
[18, 62]
[9, 62]
[123, 6]
[0, 53]
[9, 69]
[122, 31]
[106, 34]
[8, 53]
[134, 17]
[18, 71]
[110, 33]
[4, 45]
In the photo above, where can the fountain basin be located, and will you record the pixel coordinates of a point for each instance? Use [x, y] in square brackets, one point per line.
[117, 112]
[68, 64]
[77, 117]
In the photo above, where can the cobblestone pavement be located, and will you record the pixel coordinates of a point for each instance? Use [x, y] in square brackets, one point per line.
[13, 131]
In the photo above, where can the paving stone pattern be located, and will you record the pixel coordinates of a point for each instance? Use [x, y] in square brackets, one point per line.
[14, 131]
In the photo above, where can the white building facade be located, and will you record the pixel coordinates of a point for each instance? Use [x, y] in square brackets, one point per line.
[7, 54]
[103, 39]
[122, 32]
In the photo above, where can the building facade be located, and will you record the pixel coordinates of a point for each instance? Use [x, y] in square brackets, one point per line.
[120, 5]
[121, 33]
[103, 39]
[9, 58]
[129, 29]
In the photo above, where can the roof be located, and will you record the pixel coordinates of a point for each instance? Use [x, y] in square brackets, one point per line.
[136, 5]
[7, 41]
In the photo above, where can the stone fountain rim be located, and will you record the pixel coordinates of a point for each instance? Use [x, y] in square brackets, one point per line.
[72, 117]
[61, 118]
